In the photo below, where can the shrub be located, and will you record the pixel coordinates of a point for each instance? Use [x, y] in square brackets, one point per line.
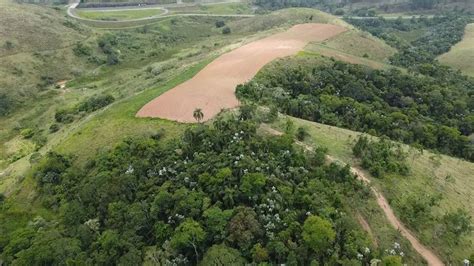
[380, 157]
[339, 12]
[64, 116]
[301, 133]
[95, 103]
[9, 45]
[82, 50]
[226, 30]
[220, 24]
[54, 128]
[27, 133]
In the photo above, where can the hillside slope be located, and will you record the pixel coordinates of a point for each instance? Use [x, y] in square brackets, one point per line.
[461, 55]
[430, 174]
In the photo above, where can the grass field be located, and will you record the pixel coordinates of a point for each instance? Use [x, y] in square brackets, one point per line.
[461, 56]
[117, 15]
[218, 9]
[354, 47]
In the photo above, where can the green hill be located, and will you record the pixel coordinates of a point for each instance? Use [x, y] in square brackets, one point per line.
[461, 55]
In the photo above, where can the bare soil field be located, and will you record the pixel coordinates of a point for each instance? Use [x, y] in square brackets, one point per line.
[212, 89]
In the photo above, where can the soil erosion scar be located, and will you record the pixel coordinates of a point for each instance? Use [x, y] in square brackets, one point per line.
[212, 89]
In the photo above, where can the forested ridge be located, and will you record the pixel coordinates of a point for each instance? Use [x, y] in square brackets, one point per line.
[220, 194]
[429, 111]
[439, 34]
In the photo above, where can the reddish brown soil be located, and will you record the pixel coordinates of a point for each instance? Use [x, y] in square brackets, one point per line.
[212, 89]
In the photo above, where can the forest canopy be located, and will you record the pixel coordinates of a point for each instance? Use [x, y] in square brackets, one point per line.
[221, 193]
[430, 111]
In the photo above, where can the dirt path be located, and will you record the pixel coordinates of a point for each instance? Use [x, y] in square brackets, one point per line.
[212, 89]
[425, 252]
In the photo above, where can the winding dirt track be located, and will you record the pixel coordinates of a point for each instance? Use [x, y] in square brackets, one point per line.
[212, 89]
[425, 252]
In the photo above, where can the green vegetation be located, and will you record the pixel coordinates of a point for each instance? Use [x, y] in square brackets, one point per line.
[102, 187]
[118, 15]
[360, 44]
[441, 32]
[380, 157]
[221, 186]
[436, 187]
[414, 109]
[461, 55]
[217, 9]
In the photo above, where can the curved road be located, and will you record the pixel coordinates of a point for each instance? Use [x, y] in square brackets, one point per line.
[71, 12]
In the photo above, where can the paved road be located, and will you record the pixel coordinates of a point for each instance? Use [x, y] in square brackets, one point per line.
[72, 7]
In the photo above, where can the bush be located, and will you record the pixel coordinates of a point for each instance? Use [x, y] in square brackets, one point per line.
[95, 103]
[54, 128]
[226, 30]
[65, 116]
[27, 133]
[380, 157]
[301, 133]
[82, 50]
[220, 24]
[339, 12]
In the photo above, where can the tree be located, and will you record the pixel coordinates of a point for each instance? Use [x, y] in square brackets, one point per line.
[243, 228]
[222, 255]
[198, 115]
[457, 224]
[247, 112]
[252, 183]
[216, 221]
[318, 234]
[188, 234]
[259, 253]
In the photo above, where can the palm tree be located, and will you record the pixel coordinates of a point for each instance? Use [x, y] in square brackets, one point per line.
[198, 115]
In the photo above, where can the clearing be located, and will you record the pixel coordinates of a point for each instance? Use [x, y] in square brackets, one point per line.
[212, 89]
[461, 55]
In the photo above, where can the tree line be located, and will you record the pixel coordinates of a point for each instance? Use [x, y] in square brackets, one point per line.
[428, 111]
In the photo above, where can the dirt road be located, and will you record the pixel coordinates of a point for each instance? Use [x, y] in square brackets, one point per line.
[212, 89]
[425, 252]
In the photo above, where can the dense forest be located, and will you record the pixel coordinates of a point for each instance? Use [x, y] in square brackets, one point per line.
[220, 194]
[428, 111]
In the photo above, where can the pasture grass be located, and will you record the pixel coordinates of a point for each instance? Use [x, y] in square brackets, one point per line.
[361, 44]
[118, 15]
[217, 9]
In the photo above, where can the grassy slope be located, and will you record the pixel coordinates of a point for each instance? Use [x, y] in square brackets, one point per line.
[228, 8]
[355, 47]
[119, 15]
[40, 46]
[105, 129]
[461, 56]
[428, 176]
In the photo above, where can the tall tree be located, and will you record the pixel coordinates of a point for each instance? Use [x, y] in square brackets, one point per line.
[198, 114]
